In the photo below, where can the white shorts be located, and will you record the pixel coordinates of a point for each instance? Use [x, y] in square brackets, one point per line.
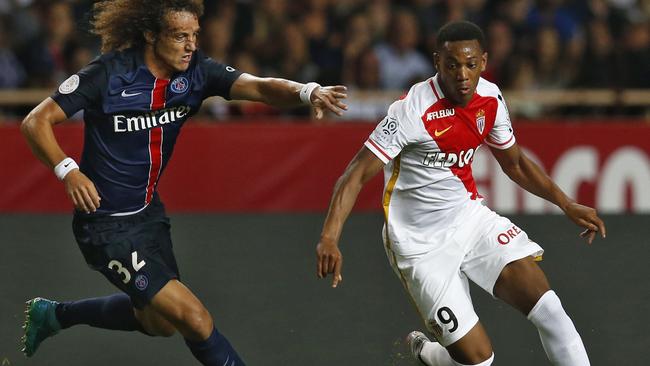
[478, 246]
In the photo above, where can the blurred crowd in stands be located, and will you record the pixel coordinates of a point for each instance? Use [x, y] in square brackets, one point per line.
[367, 45]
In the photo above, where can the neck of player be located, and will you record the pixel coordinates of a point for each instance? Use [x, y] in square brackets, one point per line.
[156, 66]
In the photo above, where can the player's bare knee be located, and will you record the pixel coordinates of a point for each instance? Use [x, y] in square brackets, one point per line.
[476, 356]
[155, 324]
[198, 320]
[484, 358]
[159, 328]
[473, 349]
[166, 331]
[486, 362]
[521, 284]
[161, 331]
[162, 328]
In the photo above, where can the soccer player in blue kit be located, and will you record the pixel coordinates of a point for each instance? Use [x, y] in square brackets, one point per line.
[136, 97]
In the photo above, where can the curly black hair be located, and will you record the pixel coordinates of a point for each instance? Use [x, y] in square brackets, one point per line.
[122, 23]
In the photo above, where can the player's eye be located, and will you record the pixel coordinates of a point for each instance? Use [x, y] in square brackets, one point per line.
[472, 66]
[185, 37]
[180, 37]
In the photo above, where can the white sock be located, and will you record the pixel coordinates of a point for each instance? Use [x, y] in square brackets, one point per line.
[433, 354]
[559, 336]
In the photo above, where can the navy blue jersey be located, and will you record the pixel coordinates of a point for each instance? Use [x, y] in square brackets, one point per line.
[132, 120]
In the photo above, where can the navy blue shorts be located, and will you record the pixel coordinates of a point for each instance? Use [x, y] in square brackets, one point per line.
[133, 252]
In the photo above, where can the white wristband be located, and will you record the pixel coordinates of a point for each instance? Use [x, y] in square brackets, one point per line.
[64, 167]
[305, 92]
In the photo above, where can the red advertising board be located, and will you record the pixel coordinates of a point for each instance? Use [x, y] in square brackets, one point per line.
[292, 167]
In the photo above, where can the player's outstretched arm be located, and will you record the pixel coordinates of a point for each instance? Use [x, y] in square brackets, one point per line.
[37, 129]
[286, 93]
[363, 166]
[530, 177]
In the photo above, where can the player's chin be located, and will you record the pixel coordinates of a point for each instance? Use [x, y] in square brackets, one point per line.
[182, 65]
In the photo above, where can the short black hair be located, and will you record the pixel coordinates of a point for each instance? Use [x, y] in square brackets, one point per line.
[461, 30]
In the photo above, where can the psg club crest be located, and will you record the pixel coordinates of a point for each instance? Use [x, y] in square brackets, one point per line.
[480, 120]
[180, 85]
[141, 282]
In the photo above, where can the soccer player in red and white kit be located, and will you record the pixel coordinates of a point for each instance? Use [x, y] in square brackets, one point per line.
[437, 234]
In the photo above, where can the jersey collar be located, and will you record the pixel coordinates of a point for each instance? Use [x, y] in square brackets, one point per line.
[437, 90]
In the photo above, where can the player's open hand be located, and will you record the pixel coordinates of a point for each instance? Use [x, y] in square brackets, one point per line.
[588, 218]
[329, 98]
[81, 191]
[330, 260]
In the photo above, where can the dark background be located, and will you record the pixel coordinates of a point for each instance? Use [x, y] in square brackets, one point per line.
[256, 274]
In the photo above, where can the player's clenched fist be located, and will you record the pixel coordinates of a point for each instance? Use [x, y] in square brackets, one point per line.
[330, 260]
[81, 191]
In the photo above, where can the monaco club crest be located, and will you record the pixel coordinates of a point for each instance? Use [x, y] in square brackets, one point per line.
[480, 120]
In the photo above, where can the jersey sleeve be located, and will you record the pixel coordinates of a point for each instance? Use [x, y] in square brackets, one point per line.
[219, 78]
[83, 89]
[393, 133]
[501, 136]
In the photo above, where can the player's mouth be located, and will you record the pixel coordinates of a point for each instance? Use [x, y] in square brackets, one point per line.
[187, 58]
[464, 89]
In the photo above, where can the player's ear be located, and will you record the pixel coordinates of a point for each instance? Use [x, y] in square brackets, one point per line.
[149, 37]
[436, 60]
[484, 58]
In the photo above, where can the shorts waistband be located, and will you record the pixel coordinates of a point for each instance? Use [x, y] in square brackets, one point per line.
[155, 208]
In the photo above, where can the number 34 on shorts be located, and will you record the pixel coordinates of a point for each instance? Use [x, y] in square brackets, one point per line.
[120, 269]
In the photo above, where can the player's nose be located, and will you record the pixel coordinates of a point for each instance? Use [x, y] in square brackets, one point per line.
[462, 73]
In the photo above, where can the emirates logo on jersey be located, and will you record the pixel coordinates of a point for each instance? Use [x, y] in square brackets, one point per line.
[122, 123]
[439, 159]
[480, 120]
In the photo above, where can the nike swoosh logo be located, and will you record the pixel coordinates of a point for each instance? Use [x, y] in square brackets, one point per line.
[66, 165]
[438, 134]
[126, 95]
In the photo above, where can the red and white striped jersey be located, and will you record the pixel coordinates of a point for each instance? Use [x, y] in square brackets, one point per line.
[428, 145]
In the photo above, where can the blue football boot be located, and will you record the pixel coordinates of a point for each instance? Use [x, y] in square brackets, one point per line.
[40, 323]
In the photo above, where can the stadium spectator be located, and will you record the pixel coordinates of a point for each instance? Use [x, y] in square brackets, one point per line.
[636, 44]
[402, 32]
[356, 41]
[324, 41]
[42, 56]
[380, 14]
[13, 73]
[362, 78]
[400, 64]
[500, 50]
[550, 70]
[216, 37]
[600, 62]
[296, 63]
